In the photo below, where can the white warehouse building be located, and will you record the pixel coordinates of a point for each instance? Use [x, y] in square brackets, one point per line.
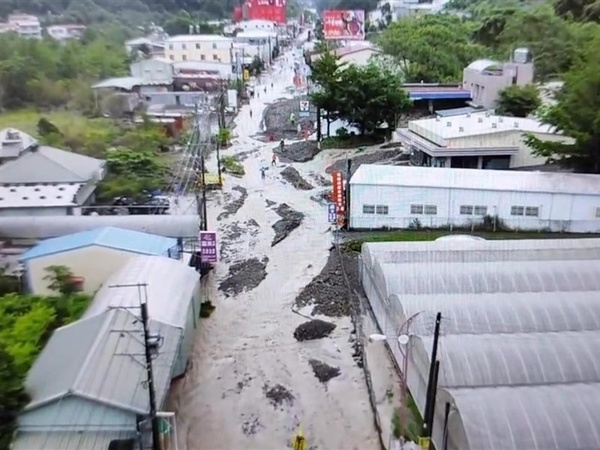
[392, 197]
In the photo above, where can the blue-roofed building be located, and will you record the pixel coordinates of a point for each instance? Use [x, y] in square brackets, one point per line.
[92, 256]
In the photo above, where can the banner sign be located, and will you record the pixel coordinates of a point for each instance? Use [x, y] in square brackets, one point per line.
[331, 212]
[304, 108]
[208, 247]
[338, 189]
[344, 25]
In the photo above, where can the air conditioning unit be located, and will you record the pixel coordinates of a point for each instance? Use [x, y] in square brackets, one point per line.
[516, 124]
[480, 120]
[501, 119]
[461, 129]
[494, 125]
[448, 124]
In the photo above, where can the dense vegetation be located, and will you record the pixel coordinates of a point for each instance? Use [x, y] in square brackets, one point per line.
[26, 323]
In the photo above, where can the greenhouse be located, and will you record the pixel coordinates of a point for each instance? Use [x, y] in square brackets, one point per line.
[520, 320]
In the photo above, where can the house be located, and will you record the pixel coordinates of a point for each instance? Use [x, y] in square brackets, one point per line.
[260, 43]
[88, 387]
[92, 256]
[519, 332]
[199, 47]
[25, 25]
[486, 79]
[410, 197]
[154, 44]
[132, 85]
[153, 70]
[41, 180]
[475, 141]
[171, 290]
[66, 32]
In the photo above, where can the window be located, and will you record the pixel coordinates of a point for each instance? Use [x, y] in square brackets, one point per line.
[517, 210]
[416, 209]
[368, 209]
[597, 213]
[183, 47]
[532, 211]
[480, 210]
[214, 46]
[382, 209]
[466, 210]
[431, 210]
[215, 57]
[202, 57]
[197, 46]
[172, 58]
[184, 57]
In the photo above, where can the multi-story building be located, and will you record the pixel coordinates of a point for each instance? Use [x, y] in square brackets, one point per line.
[66, 32]
[200, 47]
[25, 25]
[259, 43]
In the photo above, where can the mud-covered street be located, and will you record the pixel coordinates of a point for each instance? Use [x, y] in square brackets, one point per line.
[279, 351]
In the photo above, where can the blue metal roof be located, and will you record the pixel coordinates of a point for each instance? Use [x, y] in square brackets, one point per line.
[445, 95]
[110, 237]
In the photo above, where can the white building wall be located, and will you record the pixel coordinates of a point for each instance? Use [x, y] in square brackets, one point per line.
[152, 70]
[556, 212]
[94, 263]
[37, 212]
[187, 344]
[199, 49]
[75, 414]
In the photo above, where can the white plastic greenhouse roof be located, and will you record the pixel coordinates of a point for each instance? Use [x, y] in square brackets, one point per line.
[171, 284]
[493, 360]
[528, 418]
[490, 277]
[525, 312]
[475, 251]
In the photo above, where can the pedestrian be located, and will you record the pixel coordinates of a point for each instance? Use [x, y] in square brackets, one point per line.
[282, 145]
[274, 160]
[271, 85]
[263, 171]
[265, 89]
[251, 114]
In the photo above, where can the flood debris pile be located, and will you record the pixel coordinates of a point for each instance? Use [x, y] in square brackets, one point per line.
[321, 180]
[328, 291]
[324, 372]
[299, 152]
[276, 119]
[381, 157]
[313, 329]
[292, 176]
[233, 206]
[290, 220]
[322, 197]
[244, 276]
[278, 395]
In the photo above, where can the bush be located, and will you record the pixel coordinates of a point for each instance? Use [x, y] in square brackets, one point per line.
[351, 141]
[231, 165]
[224, 136]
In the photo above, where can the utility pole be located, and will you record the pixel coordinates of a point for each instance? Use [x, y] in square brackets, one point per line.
[150, 379]
[432, 382]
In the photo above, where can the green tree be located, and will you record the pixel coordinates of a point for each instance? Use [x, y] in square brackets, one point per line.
[580, 10]
[431, 48]
[129, 162]
[12, 396]
[370, 97]
[576, 114]
[60, 280]
[327, 92]
[518, 101]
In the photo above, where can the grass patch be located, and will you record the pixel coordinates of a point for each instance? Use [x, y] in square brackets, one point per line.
[351, 141]
[232, 165]
[431, 235]
[414, 423]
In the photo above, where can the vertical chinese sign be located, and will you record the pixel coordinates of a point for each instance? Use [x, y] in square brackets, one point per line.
[338, 196]
[208, 247]
[344, 25]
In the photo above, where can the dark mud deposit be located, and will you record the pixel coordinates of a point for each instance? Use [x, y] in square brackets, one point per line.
[328, 291]
[270, 203]
[290, 220]
[314, 329]
[232, 207]
[383, 157]
[303, 151]
[293, 177]
[278, 395]
[322, 197]
[323, 372]
[276, 118]
[244, 276]
[320, 179]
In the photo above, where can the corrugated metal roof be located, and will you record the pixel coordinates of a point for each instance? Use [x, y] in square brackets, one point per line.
[110, 237]
[68, 440]
[482, 64]
[50, 165]
[53, 226]
[171, 284]
[99, 359]
[491, 180]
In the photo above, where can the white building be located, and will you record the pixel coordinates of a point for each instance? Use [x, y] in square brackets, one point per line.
[153, 69]
[475, 141]
[66, 32]
[200, 47]
[257, 25]
[412, 197]
[25, 25]
[92, 256]
[153, 43]
[356, 53]
[259, 43]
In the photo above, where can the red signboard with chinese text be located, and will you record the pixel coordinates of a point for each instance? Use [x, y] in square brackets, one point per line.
[271, 10]
[344, 25]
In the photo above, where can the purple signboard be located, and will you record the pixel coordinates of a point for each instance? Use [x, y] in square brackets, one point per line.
[208, 247]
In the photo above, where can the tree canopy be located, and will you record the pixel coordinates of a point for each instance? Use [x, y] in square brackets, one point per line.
[518, 101]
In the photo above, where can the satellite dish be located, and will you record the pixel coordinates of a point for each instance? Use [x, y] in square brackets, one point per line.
[403, 339]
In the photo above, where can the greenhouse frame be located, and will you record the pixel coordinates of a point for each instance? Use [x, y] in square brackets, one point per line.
[520, 336]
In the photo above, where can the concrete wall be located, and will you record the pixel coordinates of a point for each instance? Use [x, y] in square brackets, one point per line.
[216, 51]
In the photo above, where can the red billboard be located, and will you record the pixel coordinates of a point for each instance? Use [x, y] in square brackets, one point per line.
[271, 10]
[344, 25]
